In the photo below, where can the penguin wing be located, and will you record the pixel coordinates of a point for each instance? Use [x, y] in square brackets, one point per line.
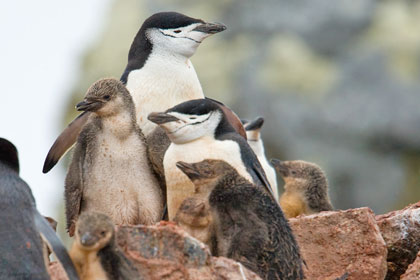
[251, 162]
[65, 141]
[73, 187]
[50, 237]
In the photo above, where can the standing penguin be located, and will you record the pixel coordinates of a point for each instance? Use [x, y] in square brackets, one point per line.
[248, 223]
[158, 75]
[306, 188]
[22, 226]
[109, 171]
[198, 130]
[253, 134]
[95, 251]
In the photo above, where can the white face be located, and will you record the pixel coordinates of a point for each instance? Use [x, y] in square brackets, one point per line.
[183, 41]
[191, 127]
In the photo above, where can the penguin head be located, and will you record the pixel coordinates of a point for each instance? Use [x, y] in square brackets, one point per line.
[9, 154]
[205, 174]
[191, 120]
[253, 128]
[94, 231]
[299, 174]
[193, 212]
[106, 97]
[175, 33]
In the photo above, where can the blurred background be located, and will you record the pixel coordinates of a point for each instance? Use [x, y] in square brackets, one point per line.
[337, 83]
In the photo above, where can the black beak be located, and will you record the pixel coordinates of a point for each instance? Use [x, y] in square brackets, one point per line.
[188, 169]
[161, 118]
[89, 105]
[280, 167]
[88, 239]
[210, 28]
[255, 124]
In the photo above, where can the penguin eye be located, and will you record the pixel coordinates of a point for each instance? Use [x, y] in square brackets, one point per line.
[103, 233]
[177, 31]
[107, 97]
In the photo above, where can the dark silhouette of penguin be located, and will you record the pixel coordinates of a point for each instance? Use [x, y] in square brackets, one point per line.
[249, 225]
[22, 228]
[95, 252]
[305, 189]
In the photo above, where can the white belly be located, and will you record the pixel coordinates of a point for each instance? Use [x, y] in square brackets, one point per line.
[178, 185]
[120, 182]
[160, 85]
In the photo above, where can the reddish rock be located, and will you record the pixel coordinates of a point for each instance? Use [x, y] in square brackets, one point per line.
[413, 271]
[57, 272]
[401, 232]
[166, 252]
[335, 243]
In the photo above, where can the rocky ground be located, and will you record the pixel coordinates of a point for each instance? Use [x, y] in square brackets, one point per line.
[354, 242]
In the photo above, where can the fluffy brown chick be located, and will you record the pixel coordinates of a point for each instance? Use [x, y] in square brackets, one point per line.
[305, 189]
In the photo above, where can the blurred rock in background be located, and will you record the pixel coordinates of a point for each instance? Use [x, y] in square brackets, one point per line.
[338, 83]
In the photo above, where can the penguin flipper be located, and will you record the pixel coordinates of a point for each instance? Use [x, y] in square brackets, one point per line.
[65, 141]
[259, 171]
[73, 186]
[49, 236]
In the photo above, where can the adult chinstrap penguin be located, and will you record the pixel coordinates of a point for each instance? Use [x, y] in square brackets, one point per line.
[159, 73]
[198, 130]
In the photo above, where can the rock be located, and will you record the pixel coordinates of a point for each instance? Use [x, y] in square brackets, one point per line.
[401, 232]
[57, 272]
[165, 251]
[413, 271]
[337, 242]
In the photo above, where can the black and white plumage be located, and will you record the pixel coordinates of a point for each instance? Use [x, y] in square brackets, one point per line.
[198, 130]
[22, 228]
[158, 75]
[253, 134]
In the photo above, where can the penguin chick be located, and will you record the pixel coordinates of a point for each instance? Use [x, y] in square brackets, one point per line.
[110, 171]
[305, 189]
[253, 134]
[95, 252]
[159, 73]
[194, 217]
[248, 223]
[199, 129]
[22, 228]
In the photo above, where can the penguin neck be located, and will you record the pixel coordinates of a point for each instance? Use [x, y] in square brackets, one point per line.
[165, 80]
[257, 146]
[121, 125]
